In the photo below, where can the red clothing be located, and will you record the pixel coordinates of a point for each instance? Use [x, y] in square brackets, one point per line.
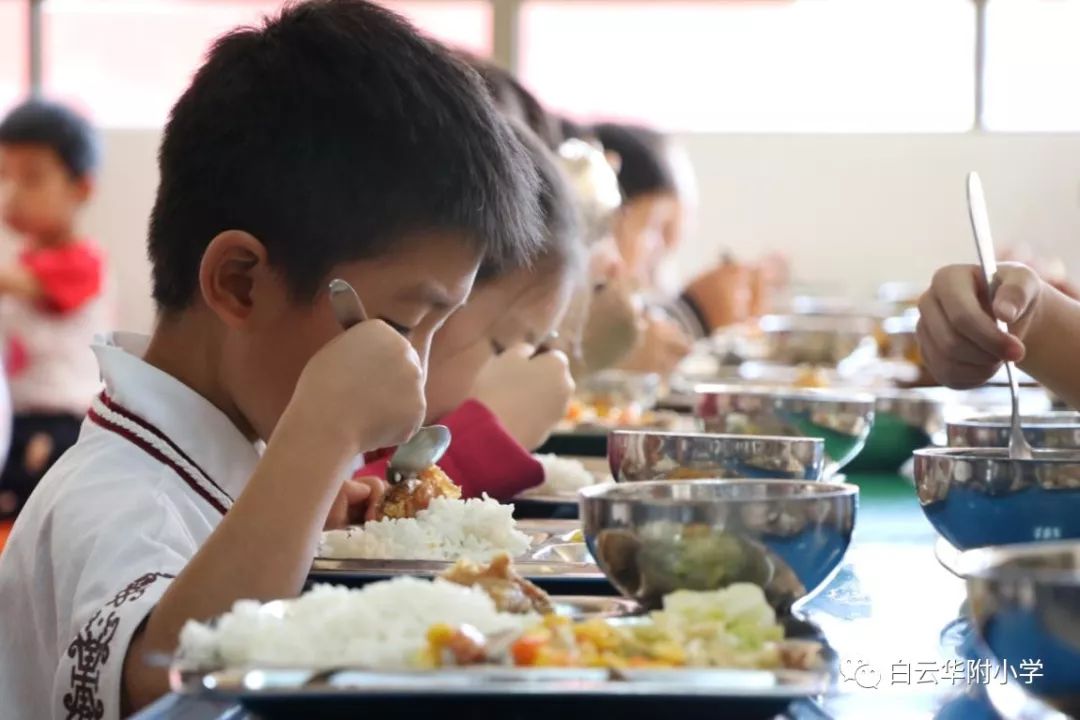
[482, 458]
[69, 275]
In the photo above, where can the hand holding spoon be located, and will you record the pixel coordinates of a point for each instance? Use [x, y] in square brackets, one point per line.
[1019, 448]
[430, 443]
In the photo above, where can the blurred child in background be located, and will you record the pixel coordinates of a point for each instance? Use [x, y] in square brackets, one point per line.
[51, 304]
[647, 229]
[494, 376]
[491, 377]
[604, 315]
[659, 195]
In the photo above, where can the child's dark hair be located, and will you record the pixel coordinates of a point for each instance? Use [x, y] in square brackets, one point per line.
[644, 167]
[562, 247]
[515, 101]
[571, 129]
[329, 133]
[68, 134]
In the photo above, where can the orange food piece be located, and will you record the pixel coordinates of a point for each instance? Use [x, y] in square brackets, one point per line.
[811, 377]
[407, 498]
[526, 649]
[575, 411]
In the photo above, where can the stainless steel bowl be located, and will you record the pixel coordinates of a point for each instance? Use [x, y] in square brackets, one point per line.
[976, 497]
[842, 419]
[1046, 430]
[1025, 603]
[636, 455]
[817, 339]
[904, 421]
[652, 538]
[922, 409]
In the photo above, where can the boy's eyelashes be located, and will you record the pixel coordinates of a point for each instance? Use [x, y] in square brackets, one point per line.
[398, 327]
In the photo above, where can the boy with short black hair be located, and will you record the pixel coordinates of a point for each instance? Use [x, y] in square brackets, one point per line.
[331, 142]
[51, 298]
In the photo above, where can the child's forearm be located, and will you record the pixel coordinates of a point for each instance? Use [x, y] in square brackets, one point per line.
[262, 549]
[19, 281]
[1053, 345]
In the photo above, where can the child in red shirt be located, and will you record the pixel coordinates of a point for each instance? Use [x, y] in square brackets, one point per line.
[492, 377]
[50, 298]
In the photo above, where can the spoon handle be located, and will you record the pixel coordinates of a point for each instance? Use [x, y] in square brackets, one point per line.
[980, 225]
[984, 245]
[346, 303]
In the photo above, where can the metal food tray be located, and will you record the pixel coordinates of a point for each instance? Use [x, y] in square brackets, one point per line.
[553, 561]
[488, 691]
[546, 497]
[265, 683]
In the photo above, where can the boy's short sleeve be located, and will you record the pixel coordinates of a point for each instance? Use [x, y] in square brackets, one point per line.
[116, 585]
[69, 276]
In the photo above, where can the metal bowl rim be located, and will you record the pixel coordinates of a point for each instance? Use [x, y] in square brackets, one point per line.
[1053, 419]
[786, 393]
[990, 563]
[796, 439]
[821, 490]
[995, 455]
[920, 395]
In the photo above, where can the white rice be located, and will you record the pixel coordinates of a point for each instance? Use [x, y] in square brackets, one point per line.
[476, 529]
[381, 626]
[564, 475]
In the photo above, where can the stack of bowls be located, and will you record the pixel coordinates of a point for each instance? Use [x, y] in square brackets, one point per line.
[786, 536]
[1018, 525]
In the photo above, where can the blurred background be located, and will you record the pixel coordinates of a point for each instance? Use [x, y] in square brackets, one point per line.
[836, 131]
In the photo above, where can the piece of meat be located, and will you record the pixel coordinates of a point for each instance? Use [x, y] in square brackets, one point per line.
[407, 498]
[510, 592]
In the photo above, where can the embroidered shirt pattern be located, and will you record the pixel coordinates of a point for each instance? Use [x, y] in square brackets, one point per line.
[92, 647]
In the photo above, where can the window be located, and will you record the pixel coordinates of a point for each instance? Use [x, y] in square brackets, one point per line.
[756, 65]
[1032, 65]
[465, 25]
[125, 62]
[14, 68]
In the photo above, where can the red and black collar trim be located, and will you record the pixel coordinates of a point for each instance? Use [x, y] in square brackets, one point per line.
[110, 415]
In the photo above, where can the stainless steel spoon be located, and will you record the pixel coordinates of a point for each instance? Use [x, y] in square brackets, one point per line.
[430, 443]
[1019, 448]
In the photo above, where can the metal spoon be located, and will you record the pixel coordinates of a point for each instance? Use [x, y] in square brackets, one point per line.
[1019, 448]
[430, 443]
[420, 452]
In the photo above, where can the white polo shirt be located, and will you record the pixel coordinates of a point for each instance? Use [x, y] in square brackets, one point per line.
[155, 469]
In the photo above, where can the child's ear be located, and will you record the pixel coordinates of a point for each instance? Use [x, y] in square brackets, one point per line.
[614, 160]
[228, 272]
[84, 188]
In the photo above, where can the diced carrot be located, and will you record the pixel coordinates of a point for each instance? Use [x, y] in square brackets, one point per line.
[526, 649]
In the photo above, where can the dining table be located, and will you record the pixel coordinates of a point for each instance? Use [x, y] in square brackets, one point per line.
[893, 615]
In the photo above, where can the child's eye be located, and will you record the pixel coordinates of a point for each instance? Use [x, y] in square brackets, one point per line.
[497, 347]
[401, 329]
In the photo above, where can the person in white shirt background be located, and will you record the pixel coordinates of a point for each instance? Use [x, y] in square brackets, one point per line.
[51, 304]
